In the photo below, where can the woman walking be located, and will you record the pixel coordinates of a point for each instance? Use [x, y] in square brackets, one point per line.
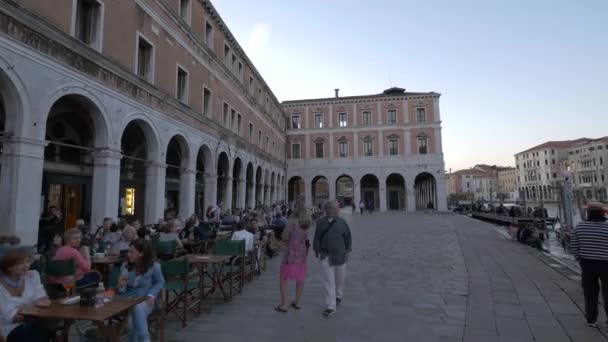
[293, 266]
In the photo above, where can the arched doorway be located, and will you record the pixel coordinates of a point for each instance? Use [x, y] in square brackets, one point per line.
[236, 178]
[370, 191]
[319, 188]
[204, 161]
[259, 187]
[266, 187]
[295, 189]
[138, 143]
[272, 188]
[345, 191]
[176, 159]
[249, 190]
[72, 127]
[395, 192]
[426, 191]
[223, 172]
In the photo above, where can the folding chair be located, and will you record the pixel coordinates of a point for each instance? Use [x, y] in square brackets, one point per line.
[233, 271]
[182, 283]
[58, 268]
[165, 250]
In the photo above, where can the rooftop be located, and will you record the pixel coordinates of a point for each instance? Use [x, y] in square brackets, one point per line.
[394, 91]
[556, 144]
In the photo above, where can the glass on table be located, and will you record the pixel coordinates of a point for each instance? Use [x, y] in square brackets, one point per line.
[69, 284]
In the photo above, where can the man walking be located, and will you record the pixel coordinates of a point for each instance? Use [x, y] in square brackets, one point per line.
[589, 246]
[332, 244]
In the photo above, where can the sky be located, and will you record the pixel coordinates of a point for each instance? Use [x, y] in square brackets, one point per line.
[512, 74]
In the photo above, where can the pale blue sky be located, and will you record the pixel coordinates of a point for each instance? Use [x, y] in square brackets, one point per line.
[512, 74]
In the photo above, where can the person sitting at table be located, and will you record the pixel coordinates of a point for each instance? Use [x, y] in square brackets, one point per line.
[229, 219]
[72, 249]
[141, 275]
[242, 234]
[191, 225]
[169, 234]
[129, 234]
[52, 249]
[20, 287]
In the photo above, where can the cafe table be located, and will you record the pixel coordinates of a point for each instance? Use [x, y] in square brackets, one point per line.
[98, 315]
[203, 263]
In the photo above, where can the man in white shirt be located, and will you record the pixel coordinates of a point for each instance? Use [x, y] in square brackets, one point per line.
[242, 234]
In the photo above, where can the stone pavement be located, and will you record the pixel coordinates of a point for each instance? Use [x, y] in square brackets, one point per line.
[415, 277]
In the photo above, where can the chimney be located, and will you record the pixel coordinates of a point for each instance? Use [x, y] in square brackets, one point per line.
[337, 90]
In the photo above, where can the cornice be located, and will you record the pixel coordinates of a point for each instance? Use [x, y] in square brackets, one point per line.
[358, 100]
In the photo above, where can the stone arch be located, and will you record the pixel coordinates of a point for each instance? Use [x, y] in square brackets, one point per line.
[370, 191]
[223, 174]
[203, 169]
[425, 187]
[345, 190]
[15, 100]
[296, 189]
[319, 190]
[395, 192]
[150, 132]
[259, 181]
[177, 160]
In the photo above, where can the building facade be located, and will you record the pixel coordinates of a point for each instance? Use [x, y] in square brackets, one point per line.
[540, 170]
[587, 163]
[130, 107]
[507, 184]
[384, 149]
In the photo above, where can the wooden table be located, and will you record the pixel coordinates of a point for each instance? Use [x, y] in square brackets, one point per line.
[69, 313]
[202, 261]
[104, 264]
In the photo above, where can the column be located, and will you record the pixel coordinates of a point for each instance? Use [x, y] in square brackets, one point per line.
[21, 185]
[251, 201]
[410, 193]
[266, 194]
[406, 112]
[382, 196]
[438, 144]
[228, 195]
[354, 117]
[187, 189]
[241, 200]
[210, 190]
[442, 194]
[331, 184]
[307, 195]
[155, 192]
[356, 194]
[106, 185]
[331, 116]
[379, 111]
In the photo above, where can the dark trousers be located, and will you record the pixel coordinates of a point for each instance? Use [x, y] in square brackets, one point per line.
[29, 332]
[594, 271]
[361, 211]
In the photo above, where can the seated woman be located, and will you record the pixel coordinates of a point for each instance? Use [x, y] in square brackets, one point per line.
[169, 234]
[20, 287]
[72, 250]
[141, 276]
[191, 225]
[129, 234]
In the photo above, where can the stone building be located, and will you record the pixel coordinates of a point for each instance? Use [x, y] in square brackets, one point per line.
[384, 149]
[587, 162]
[130, 107]
[507, 184]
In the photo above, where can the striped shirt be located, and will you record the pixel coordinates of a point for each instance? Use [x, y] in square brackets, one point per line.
[590, 241]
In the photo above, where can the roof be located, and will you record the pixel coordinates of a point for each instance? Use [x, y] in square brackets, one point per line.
[394, 91]
[556, 144]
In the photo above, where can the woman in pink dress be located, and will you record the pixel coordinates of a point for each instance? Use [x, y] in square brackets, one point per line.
[293, 266]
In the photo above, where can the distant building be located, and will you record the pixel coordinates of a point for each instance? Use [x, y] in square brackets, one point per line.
[482, 181]
[384, 149]
[540, 169]
[587, 162]
[507, 184]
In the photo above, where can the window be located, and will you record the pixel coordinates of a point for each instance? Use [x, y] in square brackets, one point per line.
[260, 138]
[239, 124]
[240, 70]
[342, 119]
[367, 118]
[392, 116]
[267, 104]
[295, 122]
[251, 85]
[250, 132]
[393, 147]
[267, 143]
[209, 35]
[295, 151]
[601, 160]
[319, 120]
[184, 10]
[225, 119]
[422, 144]
[145, 59]
[552, 161]
[206, 101]
[368, 148]
[226, 54]
[182, 85]
[343, 145]
[420, 115]
[546, 162]
[232, 119]
[319, 149]
[88, 22]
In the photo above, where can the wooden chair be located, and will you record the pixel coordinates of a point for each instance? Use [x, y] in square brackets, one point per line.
[182, 283]
[233, 271]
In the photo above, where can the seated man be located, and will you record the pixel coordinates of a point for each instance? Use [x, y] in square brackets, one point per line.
[242, 234]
